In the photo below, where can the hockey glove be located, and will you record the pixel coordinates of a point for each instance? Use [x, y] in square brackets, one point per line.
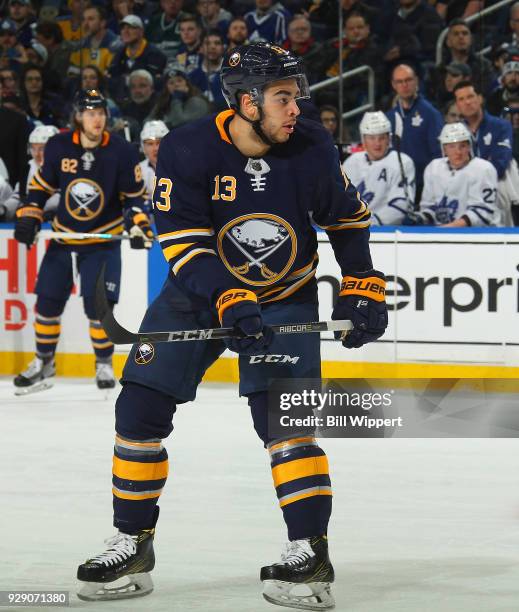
[362, 301]
[419, 218]
[141, 234]
[27, 224]
[239, 309]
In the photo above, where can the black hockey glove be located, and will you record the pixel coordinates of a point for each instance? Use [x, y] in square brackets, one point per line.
[141, 234]
[419, 218]
[27, 224]
[239, 308]
[362, 301]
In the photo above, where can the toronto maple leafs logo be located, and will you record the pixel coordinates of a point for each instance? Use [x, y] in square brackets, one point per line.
[84, 199]
[258, 248]
[445, 210]
[365, 195]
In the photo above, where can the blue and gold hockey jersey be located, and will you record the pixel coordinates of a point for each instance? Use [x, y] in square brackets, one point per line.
[96, 185]
[226, 221]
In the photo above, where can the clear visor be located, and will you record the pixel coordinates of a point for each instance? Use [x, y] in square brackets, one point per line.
[302, 85]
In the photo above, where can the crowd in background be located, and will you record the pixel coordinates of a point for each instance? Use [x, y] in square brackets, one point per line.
[160, 60]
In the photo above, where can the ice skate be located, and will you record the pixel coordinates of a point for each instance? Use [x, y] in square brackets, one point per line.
[126, 563]
[35, 377]
[302, 579]
[105, 378]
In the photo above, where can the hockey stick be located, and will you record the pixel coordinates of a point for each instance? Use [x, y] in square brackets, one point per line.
[85, 236]
[397, 137]
[119, 335]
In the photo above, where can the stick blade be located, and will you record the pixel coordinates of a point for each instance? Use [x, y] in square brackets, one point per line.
[115, 332]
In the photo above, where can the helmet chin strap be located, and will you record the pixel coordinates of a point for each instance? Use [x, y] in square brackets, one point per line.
[256, 126]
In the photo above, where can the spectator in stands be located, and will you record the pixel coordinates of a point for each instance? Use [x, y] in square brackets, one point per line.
[207, 74]
[41, 106]
[302, 44]
[415, 120]
[92, 78]
[164, 28]
[267, 22]
[492, 135]
[20, 11]
[454, 9]
[414, 31]
[511, 38]
[13, 144]
[238, 33]
[323, 14]
[12, 53]
[179, 102]
[330, 119]
[460, 50]
[213, 16]
[511, 114]
[137, 53]
[38, 56]
[9, 83]
[191, 37]
[452, 113]
[509, 89]
[120, 10]
[359, 49]
[71, 24]
[142, 96]
[453, 74]
[98, 45]
[51, 37]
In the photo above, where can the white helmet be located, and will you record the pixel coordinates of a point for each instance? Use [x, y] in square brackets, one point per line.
[455, 132]
[42, 133]
[374, 123]
[153, 130]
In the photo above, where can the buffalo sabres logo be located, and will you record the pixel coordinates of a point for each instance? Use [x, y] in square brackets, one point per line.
[144, 354]
[84, 199]
[259, 249]
[234, 60]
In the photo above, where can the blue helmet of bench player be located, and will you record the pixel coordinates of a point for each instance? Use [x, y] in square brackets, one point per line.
[250, 68]
[89, 99]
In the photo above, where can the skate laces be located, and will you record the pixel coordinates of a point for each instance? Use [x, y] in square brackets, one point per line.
[104, 371]
[120, 547]
[35, 367]
[296, 552]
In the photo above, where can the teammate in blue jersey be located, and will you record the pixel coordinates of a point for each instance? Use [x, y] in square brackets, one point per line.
[237, 199]
[101, 191]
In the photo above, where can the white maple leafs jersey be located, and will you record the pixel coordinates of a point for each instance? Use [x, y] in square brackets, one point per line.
[381, 186]
[468, 192]
[148, 175]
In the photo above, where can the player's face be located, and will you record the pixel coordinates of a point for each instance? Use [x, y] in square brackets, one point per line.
[151, 150]
[468, 102]
[37, 153]
[376, 145]
[93, 122]
[458, 153]
[280, 110]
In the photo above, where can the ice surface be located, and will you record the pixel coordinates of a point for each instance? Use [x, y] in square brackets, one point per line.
[418, 525]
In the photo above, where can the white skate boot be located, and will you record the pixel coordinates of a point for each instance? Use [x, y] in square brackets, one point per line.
[34, 377]
[105, 377]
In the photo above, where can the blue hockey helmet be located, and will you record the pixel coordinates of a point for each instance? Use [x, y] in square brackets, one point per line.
[250, 68]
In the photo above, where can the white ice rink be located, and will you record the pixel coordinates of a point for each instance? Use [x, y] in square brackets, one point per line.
[418, 525]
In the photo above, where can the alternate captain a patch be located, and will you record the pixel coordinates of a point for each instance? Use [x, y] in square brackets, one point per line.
[259, 248]
[144, 353]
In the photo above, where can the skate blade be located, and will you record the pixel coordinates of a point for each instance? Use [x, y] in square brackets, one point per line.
[281, 593]
[136, 585]
[36, 388]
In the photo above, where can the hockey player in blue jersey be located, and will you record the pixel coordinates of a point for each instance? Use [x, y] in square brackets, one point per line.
[101, 191]
[237, 199]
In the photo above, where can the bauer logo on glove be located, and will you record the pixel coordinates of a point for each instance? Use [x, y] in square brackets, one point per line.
[362, 300]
